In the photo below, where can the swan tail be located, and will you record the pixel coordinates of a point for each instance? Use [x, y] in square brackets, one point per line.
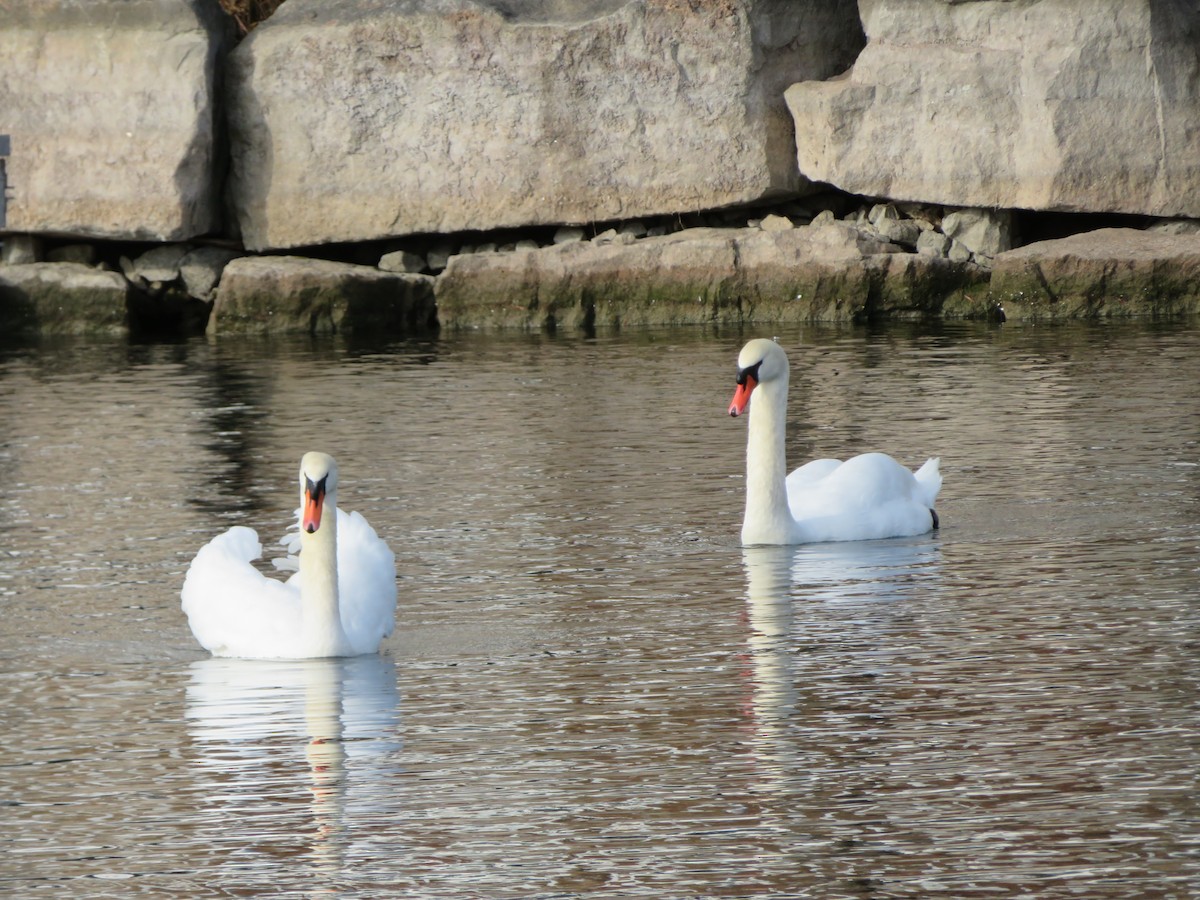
[929, 481]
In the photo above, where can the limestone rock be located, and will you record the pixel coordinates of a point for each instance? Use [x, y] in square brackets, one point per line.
[1050, 105]
[362, 119]
[161, 264]
[981, 231]
[568, 235]
[402, 261]
[933, 243]
[1110, 272]
[279, 294]
[958, 252]
[776, 223]
[899, 231]
[109, 105]
[701, 275]
[201, 270]
[62, 298]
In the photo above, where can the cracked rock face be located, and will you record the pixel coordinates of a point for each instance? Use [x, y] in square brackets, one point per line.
[110, 109]
[1052, 105]
[360, 119]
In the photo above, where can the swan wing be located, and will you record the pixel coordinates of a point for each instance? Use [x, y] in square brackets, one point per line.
[366, 583]
[867, 497]
[233, 608]
[810, 473]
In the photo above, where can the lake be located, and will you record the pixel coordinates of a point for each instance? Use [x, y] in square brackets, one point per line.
[593, 689]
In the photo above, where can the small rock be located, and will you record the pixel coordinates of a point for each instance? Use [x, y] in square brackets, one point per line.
[606, 237]
[933, 243]
[981, 230]
[527, 244]
[635, 228]
[161, 263]
[201, 270]
[402, 261]
[958, 252]
[438, 256]
[882, 212]
[568, 234]
[776, 223]
[824, 217]
[899, 231]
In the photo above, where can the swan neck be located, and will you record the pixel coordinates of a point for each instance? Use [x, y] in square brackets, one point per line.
[322, 624]
[768, 519]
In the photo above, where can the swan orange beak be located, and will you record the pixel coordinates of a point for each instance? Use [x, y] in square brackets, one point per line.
[741, 396]
[314, 502]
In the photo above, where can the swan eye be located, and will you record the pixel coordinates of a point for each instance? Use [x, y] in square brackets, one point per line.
[749, 372]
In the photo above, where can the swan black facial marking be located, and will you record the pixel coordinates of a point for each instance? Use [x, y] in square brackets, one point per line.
[316, 490]
[749, 372]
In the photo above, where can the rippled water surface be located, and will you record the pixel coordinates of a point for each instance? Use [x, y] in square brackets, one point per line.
[593, 689]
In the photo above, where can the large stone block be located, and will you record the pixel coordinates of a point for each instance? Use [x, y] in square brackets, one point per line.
[110, 109]
[291, 294]
[1109, 273]
[1050, 105]
[62, 298]
[360, 119]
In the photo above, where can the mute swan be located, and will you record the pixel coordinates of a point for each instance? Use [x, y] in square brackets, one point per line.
[867, 497]
[340, 602]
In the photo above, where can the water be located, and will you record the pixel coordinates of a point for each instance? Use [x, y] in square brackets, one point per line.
[593, 689]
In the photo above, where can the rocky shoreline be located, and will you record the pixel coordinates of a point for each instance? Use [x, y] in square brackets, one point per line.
[396, 169]
[877, 262]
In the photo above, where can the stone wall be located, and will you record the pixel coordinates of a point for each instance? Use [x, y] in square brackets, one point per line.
[443, 147]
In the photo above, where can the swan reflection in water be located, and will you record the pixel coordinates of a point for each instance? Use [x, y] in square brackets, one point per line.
[284, 747]
[831, 610]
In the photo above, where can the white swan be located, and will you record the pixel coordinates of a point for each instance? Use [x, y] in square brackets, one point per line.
[867, 497]
[340, 602]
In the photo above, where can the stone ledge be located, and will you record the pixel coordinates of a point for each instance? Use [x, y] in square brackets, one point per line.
[291, 294]
[62, 298]
[828, 272]
[1113, 272]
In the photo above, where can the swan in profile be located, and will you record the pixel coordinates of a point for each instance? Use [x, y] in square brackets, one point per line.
[864, 498]
[341, 601]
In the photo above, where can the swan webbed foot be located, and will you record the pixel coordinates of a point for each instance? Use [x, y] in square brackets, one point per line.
[936, 523]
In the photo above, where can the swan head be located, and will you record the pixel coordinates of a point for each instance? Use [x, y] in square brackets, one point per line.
[318, 479]
[761, 361]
